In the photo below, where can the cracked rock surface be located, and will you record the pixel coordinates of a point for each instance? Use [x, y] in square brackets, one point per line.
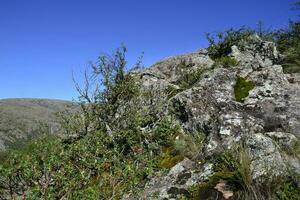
[268, 120]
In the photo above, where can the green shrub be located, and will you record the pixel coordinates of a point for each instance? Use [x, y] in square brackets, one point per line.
[226, 62]
[189, 78]
[289, 191]
[235, 165]
[164, 131]
[186, 80]
[242, 88]
[288, 42]
[107, 157]
[221, 43]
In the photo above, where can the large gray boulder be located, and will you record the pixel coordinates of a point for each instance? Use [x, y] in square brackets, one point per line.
[267, 121]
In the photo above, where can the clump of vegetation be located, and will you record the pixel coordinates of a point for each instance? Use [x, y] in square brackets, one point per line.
[172, 90]
[189, 78]
[295, 150]
[189, 145]
[105, 153]
[226, 62]
[220, 44]
[180, 146]
[178, 109]
[289, 191]
[170, 158]
[288, 42]
[163, 131]
[233, 166]
[242, 88]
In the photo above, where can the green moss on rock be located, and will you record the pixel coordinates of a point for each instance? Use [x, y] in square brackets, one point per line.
[170, 158]
[242, 88]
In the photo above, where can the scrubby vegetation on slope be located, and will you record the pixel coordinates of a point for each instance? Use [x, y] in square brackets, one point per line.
[287, 41]
[105, 153]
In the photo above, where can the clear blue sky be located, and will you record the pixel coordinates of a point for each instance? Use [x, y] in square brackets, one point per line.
[43, 41]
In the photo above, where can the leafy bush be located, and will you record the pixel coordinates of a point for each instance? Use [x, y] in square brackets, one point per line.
[288, 42]
[221, 43]
[172, 90]
[189, 78]
[164, 131]
[105, 153]
[93, 167]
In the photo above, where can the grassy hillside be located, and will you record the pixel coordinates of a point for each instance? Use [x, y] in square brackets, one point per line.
[21, 119]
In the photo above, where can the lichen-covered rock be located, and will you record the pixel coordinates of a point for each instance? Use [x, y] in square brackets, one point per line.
[266, 161]
[267, 121]
[285, 140]
[176, 183]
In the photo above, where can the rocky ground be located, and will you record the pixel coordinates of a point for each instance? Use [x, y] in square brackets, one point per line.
[266, 120]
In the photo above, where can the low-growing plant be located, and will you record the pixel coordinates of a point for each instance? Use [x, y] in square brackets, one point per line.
[289, 191]
[164, 131]
[170, 157]
[226, 62]
[189, 145]
[179, 146]
[172, 90]
[178, 109]
[233, 166]
[189, 78]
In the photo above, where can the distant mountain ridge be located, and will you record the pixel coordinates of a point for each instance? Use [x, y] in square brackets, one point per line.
[21, 119]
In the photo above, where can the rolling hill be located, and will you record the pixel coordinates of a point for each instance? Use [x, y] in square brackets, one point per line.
[23, 119]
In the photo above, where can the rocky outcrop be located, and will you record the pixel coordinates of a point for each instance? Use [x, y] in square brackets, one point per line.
[267, 121]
